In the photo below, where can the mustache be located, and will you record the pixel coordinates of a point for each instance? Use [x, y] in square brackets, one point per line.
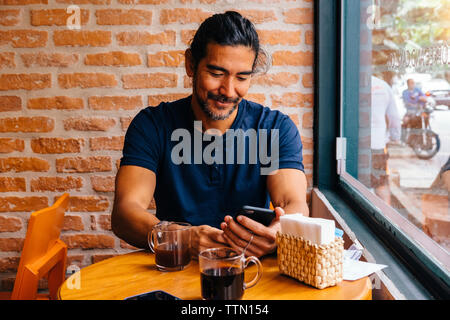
[222, 98]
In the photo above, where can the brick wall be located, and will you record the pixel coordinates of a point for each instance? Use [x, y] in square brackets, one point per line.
[67, 96]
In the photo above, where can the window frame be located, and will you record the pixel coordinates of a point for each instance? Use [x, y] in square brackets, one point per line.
[337, 26]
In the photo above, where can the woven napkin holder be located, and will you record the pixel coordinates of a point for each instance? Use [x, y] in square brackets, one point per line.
[320, 266]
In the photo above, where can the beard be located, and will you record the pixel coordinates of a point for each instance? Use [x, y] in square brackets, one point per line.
[209, 111]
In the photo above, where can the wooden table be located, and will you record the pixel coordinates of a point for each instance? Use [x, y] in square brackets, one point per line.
[133, 273]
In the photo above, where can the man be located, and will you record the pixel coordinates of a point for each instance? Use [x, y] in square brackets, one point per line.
[186, 184]
[385, 126]
[412, 98]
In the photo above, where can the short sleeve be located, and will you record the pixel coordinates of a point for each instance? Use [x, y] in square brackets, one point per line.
[290, 151]
[142, 144]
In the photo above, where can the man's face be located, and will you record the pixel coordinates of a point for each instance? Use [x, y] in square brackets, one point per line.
[411, 84]
[222, 79]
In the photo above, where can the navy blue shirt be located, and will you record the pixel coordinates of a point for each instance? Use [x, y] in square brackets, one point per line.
[201, 178]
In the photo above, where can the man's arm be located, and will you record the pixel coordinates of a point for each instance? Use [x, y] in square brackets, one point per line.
[130, 219]
[287, 189]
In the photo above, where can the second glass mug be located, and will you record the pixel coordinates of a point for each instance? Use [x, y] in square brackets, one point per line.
[222, 273]
[171, 244]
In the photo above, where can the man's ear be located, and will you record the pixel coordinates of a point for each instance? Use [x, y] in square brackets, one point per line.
[189, 63]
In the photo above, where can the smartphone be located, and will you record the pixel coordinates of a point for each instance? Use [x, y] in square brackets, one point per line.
[153, 295]
[261, 215]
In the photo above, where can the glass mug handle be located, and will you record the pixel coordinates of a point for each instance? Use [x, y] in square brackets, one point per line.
[255, 280]
[151, 242]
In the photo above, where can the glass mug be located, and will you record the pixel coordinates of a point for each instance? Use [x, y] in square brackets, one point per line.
[171, 244]
[222, 273]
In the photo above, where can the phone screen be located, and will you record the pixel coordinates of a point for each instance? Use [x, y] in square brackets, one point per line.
[153, 295]
[261, 215]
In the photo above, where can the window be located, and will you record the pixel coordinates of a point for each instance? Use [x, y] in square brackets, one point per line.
[395, 112]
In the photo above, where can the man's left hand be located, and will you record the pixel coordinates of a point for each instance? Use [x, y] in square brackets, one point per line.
[262, 239]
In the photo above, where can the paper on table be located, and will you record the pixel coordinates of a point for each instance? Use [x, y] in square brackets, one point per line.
[354, 270]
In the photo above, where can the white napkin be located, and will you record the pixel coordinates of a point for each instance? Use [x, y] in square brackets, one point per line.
[317, 230]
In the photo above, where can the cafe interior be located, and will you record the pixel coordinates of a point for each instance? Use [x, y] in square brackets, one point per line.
[366, 83]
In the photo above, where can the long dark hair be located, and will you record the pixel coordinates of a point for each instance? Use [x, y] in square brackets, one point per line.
[231, 29]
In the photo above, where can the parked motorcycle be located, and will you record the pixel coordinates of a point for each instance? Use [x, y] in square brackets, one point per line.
[417, 133]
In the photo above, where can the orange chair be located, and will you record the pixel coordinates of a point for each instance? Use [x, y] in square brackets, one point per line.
[43, 254]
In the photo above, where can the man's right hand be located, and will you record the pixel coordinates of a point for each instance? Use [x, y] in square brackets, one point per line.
[205, 237]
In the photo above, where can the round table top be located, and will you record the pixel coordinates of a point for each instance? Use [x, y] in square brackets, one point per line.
[129, 274]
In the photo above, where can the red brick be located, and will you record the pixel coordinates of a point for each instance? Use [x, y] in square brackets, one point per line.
[44, 59]
[25, 204]
[9, 264]
[29, 81]
[55, 184]
[308, 80]
[23, 164]
[88, 203]
[123, 17]
[55, 17]
[100, 257]
[104, 222]
[89, 124]
[309, 37]
[106, 143]
[289, 58]
[25, 124]
[256, 97]
[307, 143]
[156, 99]
[73, 38]
[86, 80]
[11, 244]
[294, 118]
[115, 102]
[24, 38]
[187, 36]
[103, 183]
[88, 241]
[307, 120]
[9, 17]
[308, 161]
[7, 60]
[174, 58]
[73, 223]
[8, 184]
[293, 99]
[59, 103]
[149, 80]
[10, 224]
[115, 58]
[283, 79]
[143, 38]
[10, 103]
[22, 2]
[259, 16]
[299, 16]
[10, 145]
[79, 164]
[125, 122]
[56, 145]
[274, 37]
[183, 16]
[96, 2]
[142, 1]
